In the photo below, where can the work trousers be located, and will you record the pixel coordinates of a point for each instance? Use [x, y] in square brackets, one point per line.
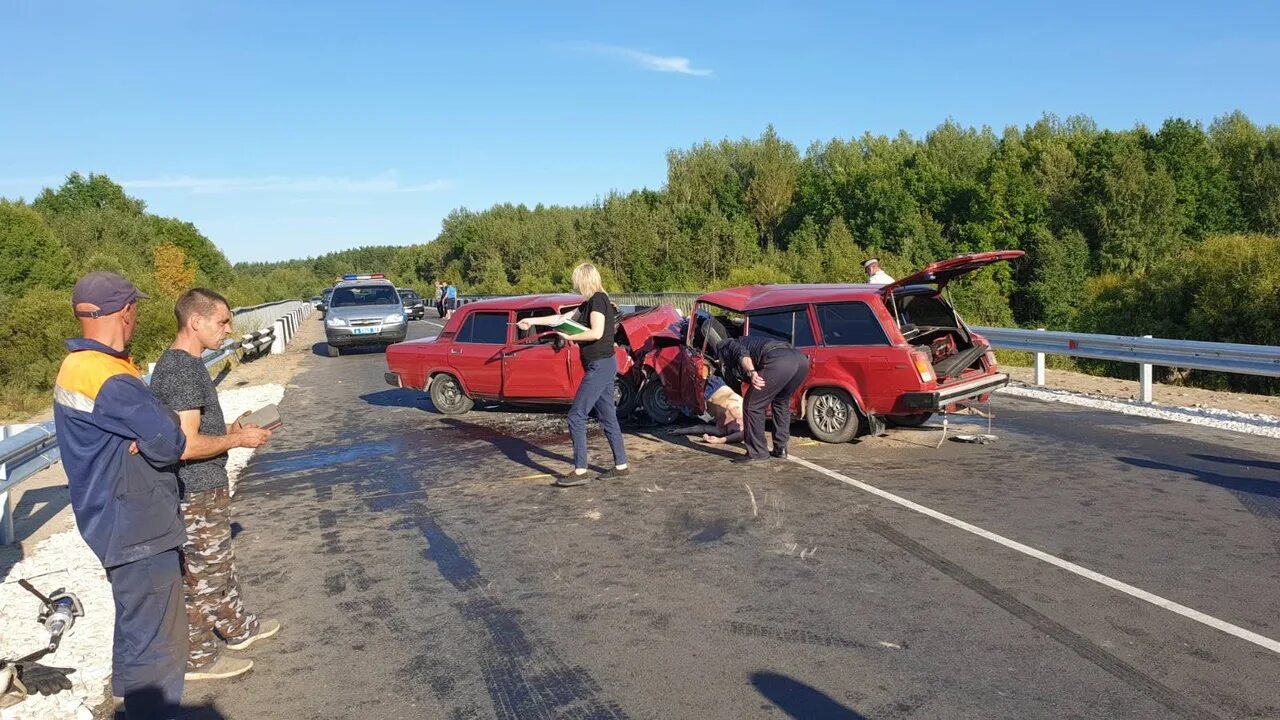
[783, 370]
[596, 393]
[149, 651]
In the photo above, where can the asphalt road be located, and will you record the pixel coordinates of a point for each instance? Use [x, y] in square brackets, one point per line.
[421, 571]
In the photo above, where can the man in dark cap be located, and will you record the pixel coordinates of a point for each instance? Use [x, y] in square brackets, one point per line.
[120, 447]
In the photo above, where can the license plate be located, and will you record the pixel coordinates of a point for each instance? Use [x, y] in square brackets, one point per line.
[366, 330]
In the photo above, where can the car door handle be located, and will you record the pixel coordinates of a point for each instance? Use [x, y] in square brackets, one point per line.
[455, 351]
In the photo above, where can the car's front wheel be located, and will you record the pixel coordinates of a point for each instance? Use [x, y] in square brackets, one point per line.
[908, 421]
[656, 405]
[448, 397]
[831, 415]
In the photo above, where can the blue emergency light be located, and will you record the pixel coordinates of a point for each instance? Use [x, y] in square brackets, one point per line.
[374, 276]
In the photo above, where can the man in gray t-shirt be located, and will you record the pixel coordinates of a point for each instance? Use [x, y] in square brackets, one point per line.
[215, 611]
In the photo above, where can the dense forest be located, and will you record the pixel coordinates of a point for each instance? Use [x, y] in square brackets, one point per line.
[1173, 232]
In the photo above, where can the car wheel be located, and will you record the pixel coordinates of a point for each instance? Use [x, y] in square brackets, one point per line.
[624, 396]
[332, 351]
[447, 395]
[654, 400]
[909, 421]
[832, 416]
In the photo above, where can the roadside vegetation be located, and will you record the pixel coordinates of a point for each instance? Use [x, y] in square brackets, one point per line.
[1172, 232]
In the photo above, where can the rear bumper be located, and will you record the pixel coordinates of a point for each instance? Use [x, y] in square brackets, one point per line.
[393, 379]
[937, 400]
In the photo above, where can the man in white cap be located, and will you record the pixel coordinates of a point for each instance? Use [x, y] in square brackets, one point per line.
[875, 275]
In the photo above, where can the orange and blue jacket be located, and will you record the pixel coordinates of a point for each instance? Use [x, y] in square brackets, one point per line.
[126, 505]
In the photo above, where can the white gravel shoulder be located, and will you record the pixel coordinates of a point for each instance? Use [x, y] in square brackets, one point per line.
[64, 561]
[1250, 423]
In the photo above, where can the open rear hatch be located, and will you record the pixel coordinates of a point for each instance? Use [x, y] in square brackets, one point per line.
[931, 325]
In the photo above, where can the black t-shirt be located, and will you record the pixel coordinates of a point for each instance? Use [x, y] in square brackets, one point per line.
[182, 383]
[602, 348]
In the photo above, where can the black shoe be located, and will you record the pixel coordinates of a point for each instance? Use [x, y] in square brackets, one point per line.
[779, 454]
[572, 479]
[614, 473]
[747, 459]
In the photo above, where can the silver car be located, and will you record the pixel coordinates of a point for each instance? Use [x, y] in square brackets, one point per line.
[364, 313]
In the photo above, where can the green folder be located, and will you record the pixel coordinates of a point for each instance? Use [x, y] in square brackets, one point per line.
[569, 327]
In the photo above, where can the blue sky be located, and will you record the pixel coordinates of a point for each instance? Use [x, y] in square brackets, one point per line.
[287, 130]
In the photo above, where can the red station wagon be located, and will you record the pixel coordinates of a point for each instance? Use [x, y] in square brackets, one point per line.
[481, 355]
[898, 352]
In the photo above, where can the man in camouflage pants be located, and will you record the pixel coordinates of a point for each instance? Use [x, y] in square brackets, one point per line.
[215, 611]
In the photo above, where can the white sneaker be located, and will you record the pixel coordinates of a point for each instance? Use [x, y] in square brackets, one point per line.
[266, 629]
[221, 669]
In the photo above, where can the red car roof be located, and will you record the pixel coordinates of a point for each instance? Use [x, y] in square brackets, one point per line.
[759, 297]
[526, 302]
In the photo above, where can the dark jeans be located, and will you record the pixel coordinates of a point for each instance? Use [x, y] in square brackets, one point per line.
[149, 652]
[596, 392]
[783, 370]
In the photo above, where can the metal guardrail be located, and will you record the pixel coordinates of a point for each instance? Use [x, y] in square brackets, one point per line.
[1144, 351]
[27, 449]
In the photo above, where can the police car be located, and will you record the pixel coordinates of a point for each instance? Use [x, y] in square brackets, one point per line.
[363, 311]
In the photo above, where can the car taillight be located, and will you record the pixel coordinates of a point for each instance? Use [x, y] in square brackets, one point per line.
[924, 368]
[991, 360]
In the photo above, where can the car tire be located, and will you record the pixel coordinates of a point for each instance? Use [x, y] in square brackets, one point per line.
[625, 397]
[332, 351]
[447, 395]
[908, 421]
[654, 400]
[832, 415]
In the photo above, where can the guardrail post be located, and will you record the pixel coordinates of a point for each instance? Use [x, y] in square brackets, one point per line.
[6, 511]
[1144, 380]
[6, 497]
[1039, 372]
[277, 345]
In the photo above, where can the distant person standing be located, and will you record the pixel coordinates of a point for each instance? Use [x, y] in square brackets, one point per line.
[600, 317]
[775, 371]
[120, 447]
[875, 275]
[216, 614]
[439, 299]
[450, 299]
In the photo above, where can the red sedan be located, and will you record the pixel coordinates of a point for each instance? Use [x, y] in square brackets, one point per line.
[481, 355]
[898, 352]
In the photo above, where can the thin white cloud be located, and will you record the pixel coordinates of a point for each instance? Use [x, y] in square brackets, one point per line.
[648, 61]
[388, 182]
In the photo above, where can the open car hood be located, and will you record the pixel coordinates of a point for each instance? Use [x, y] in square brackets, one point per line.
[944, 271]
[639, 327]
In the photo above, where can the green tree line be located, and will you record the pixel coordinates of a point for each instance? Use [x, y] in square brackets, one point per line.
[89, 224]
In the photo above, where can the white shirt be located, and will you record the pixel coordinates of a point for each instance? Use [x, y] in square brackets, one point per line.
[880, 278]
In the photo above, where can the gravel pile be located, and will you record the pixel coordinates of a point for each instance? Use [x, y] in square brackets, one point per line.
[64, 561]
[1250, 423]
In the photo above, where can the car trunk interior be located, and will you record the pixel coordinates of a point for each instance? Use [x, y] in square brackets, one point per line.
[929, 323]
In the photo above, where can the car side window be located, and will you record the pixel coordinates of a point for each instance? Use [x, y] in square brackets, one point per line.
[486, 328]
[539, 312]
[850, 323]
[790, 326]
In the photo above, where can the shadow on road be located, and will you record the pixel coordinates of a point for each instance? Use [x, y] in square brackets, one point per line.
[400, 397]
[1244, 462]
[1260, 497]
[516, 449]
[799, 700]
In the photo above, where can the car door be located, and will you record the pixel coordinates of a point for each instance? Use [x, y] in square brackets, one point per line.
[476, 352]
[855, 349]
[534, 369]
[791, 325]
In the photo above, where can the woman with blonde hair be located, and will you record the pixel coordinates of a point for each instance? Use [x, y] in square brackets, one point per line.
[599, 317]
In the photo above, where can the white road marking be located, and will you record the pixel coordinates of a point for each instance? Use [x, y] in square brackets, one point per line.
[433, 322]
[1191, 613]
